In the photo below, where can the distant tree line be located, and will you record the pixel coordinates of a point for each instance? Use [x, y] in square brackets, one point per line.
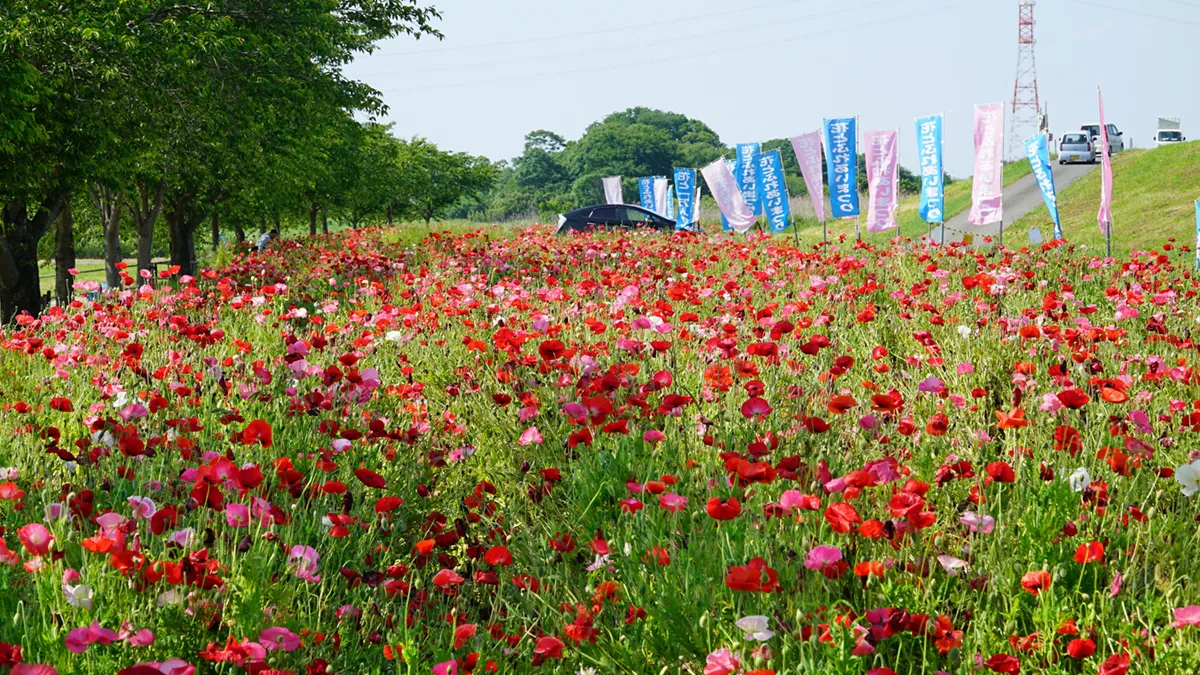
[553, 174]
[152, 120]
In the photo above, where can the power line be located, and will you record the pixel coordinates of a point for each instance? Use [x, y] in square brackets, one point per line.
[601, 31]
[675, 38]
[680, 57]
[1134, 12]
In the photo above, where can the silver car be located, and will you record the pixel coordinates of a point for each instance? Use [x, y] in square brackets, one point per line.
[1076, 147]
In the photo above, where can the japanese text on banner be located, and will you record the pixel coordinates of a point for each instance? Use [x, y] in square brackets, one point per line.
[774, 191]
[685, 188]
[646, 192]
[1039, 162]
[842, 158]
[929, 147]
[808, 156]
[987, 201]
[882, 177]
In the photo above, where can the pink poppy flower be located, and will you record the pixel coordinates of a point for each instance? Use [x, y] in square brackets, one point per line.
[36, 538]
[530, 436]
[1187, 616]
[721, 662]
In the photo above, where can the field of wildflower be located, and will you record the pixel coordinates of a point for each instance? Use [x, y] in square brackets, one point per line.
[622, 454]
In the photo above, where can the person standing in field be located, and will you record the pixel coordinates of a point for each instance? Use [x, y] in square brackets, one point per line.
[266, 239]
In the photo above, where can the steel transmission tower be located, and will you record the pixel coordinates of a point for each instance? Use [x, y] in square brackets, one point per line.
[1025, 117]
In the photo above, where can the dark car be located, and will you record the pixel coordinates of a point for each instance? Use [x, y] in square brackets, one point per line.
[610, 217]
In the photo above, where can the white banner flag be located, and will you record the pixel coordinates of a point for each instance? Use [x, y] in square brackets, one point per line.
[660, 196]
[612, 190]
[728, 196]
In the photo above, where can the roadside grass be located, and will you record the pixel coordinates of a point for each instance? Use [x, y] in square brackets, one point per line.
[1154, 194]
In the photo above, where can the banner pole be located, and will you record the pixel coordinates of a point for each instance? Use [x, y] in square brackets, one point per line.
[857, 145]
[1108, 238]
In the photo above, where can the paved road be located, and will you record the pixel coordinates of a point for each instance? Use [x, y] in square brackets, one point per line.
[1020, 198]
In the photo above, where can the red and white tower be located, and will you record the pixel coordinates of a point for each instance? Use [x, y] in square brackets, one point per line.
[1025, 117]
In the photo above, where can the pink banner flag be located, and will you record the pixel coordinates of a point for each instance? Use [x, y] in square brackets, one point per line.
[808, 155]
[987, 205]
[728, 196]
[1104, 217]
[883, 179]
[612, 190]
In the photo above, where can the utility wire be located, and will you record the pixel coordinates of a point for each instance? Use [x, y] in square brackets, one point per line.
[735, 30]
[600, 31]
[680, 57]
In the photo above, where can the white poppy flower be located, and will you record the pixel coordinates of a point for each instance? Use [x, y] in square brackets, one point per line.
[755, 627]
[1188, 476]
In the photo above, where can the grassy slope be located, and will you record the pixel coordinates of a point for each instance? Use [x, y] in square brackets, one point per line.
[1154, 193]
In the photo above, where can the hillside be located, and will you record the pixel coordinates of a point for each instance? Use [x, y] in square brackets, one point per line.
[1154, 194]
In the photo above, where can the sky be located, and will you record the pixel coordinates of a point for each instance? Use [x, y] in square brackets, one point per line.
[754, 70]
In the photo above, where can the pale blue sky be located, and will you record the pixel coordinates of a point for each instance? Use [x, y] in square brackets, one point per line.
[760, 69]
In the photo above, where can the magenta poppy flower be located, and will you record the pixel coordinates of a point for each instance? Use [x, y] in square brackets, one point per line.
[237, 515]
[79, 639]
[279, 637]
[822, 556]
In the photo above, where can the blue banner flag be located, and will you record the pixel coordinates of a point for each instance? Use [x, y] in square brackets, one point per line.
[841, 154]
[670, 214]
[685, 188]
[933, 189]
[646, 192]
[732, 166]
[774, 191]
[746, 175]
[1039, 161]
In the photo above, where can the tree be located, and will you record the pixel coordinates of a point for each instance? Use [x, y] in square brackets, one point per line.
[435, 180]
[143, 103]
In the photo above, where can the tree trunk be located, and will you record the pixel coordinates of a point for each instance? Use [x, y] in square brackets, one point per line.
[20, 289]
[64, 255]
[312, 220]
[182, 226]
[108, 204]
[389, 215]
[262, 225]
[238, 231]
[325, 222]
[145, 215]
[216, 230]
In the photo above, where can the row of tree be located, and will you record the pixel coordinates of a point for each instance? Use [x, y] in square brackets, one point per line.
[159, 114]
[553, 174]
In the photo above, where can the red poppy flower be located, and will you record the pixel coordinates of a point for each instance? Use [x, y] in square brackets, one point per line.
[842, 517]
[1035, 582]
[1081, 648]
[258, 431]
[498, 555]
[1092, 552]
[1001, 472]
[724, 509]
[1003, 663]
[1073, 398]
[370, 478]
[840, 405]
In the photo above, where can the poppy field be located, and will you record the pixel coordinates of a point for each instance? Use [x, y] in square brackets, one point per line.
[614, 454]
